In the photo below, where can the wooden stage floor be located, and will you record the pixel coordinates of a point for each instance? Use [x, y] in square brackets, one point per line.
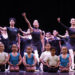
[35, 73]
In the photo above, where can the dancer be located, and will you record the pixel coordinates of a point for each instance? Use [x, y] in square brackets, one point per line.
[44, 56]
[5, 40]
[48, 38]
[3, 57]
[71, 42]
[65, 60]
[15, 59]
[52, 61]
[12, 32]
[56, 42]
[36, 33]
[29, 60]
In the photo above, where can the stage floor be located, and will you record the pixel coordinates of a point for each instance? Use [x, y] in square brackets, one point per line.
[35, 73]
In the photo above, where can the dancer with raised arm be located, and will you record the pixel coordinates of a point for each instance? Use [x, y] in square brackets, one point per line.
[71, 42]
[36, 34]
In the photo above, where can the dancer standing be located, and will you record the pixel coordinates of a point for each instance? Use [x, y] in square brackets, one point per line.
[56, 42]
[36, 34]
[12, 32]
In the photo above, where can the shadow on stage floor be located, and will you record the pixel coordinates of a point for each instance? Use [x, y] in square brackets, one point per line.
[35, 73]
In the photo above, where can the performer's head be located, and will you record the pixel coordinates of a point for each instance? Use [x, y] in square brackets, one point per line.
[53, 51]
[72, 21]
[12, 22]
[64, 49]
[14, 48]
[47, 47]
[48, 34]
[36, 24]
[55, 32]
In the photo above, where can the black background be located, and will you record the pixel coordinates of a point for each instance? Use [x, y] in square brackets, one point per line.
[45, 11]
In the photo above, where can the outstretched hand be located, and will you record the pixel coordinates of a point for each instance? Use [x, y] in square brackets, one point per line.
[58, 19]
[20, 29]
[24, 14]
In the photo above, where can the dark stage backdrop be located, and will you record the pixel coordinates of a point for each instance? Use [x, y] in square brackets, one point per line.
[45, 11]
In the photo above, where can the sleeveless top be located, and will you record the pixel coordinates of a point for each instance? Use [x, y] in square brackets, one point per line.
[36, 36]
[14, 59]
[64, 61]
[12, 33]
[30, 60]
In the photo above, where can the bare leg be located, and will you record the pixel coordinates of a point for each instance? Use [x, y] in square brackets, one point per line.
[12, 69]
[72, 57]
[17, 68]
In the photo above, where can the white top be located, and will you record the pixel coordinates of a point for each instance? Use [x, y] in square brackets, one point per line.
[3, 56]
[45, 55]
[52, 60]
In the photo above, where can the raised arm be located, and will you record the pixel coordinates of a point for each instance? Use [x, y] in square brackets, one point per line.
[3, 28]
[23, 32]
[61, 36]
[59, 21]
[26, 19]
[64, 36]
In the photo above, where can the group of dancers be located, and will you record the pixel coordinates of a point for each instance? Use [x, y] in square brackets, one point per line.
[36, 49]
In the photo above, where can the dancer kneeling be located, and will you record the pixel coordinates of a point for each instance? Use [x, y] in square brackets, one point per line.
[29, 60]
[3, 57]
[15, 59]
[65, 60]
[53, 61]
